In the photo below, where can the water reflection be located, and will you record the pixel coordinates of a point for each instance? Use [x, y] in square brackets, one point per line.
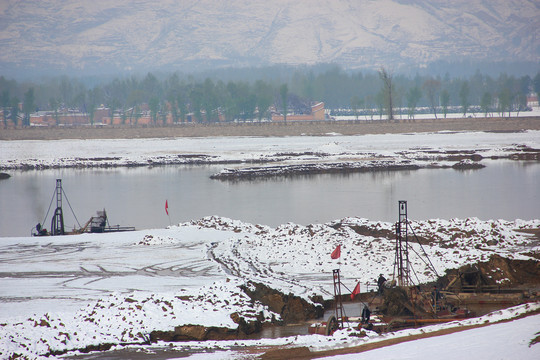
[136, 196]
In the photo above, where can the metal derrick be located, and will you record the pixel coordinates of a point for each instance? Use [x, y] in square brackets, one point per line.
[96, 224]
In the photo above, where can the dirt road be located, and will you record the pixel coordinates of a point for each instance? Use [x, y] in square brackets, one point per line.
[274, 129]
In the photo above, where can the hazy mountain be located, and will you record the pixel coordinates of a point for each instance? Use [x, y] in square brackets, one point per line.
[104, 35]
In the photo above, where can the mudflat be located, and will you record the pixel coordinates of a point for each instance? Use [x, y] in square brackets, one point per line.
[492, 124]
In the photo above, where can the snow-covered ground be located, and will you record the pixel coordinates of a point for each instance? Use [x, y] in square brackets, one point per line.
[69, 292]
[428, 148]
[403, 115]
[496, 338]
[506, 340]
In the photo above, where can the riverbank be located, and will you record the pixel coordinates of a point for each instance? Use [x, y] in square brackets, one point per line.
[422, 149]
[100, 291]
[165, 167]
[343, 127]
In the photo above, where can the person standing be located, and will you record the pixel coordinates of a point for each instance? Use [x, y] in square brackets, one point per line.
[380, 283]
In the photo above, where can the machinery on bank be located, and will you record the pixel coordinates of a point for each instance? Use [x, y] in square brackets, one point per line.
[399, 302]
[96, 224]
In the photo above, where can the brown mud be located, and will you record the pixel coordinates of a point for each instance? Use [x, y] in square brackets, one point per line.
[489, 124]
[303, 353]
[524, 274]
[309, 169]
[293, 309]
[498, 274]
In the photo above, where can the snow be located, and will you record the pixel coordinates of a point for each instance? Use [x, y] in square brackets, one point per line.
[68, 292]
[425, 148]
[403, 115]
[495, 338]
[507, 340]
[128, 318]
[301, 250]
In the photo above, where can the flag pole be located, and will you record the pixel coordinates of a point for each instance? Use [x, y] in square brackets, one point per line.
[339, 259]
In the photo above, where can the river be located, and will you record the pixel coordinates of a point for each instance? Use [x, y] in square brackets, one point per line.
[505, 189]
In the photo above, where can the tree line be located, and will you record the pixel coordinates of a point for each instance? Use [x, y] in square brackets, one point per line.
[211, 100]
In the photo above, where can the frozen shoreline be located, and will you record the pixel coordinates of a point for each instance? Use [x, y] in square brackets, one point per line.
[444, 148]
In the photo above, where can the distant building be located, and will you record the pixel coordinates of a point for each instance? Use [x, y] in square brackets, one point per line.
[317, 114]
[67, 117]
[48, 118]
[532, 101]
[141, 116]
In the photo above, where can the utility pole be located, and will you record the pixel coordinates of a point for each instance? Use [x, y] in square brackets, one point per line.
[386, 77]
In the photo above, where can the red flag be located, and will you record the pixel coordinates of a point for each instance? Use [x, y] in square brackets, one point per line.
[167, 207]
[356, 291]
[336, 253]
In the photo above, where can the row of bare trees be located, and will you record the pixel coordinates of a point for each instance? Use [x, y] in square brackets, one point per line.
[176, 96]
[511, 95]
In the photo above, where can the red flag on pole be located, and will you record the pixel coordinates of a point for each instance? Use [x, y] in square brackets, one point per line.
[167, 207]
[336, 253]
[356, 291]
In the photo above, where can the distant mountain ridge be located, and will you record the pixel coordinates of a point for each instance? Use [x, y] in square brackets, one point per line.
[129, 35]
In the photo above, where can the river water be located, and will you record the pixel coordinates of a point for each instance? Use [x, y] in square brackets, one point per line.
[505, 189]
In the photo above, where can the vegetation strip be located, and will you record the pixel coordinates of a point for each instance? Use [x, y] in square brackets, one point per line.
[312, 128]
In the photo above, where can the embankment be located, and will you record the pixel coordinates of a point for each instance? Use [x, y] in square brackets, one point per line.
[496, 124]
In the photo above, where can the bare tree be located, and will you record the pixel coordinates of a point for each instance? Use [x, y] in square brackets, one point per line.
[536, 84]
[4, 100]
[284, 92]
[413, 96]
[386, 78]
[28, 106]
[464, 97]
[485, 103]
[445, 100]
[431, 86]
[356, 104]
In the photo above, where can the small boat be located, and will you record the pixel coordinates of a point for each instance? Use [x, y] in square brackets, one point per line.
[100, 224]
[96, 224]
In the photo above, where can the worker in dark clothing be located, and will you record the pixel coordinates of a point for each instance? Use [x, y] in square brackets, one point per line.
[436, 298]
[380, 283]
[40, 230]
[366, 313]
